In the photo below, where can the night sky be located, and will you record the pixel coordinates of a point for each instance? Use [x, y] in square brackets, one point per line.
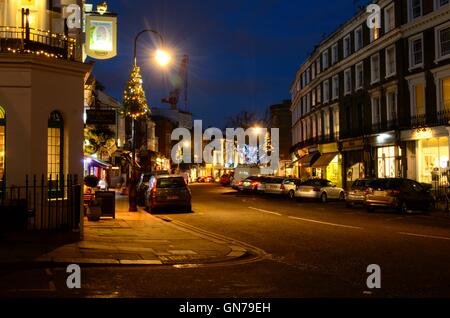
[244, 53]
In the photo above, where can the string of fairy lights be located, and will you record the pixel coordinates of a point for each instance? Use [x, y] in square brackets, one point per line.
[135, 102]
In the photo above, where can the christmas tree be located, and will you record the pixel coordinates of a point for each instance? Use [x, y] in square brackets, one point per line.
[134, 100]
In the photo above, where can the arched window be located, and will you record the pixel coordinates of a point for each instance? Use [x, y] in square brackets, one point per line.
[55, 152]
[2, 149]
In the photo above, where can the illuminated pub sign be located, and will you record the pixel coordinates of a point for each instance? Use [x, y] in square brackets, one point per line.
[101, 36]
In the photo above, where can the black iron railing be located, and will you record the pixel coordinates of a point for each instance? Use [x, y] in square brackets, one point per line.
[33, 41]
[42, 204]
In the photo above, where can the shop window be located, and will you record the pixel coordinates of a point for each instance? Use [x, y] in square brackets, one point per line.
[55, 154]
[433, 163]
[386, 159]
[2, 149]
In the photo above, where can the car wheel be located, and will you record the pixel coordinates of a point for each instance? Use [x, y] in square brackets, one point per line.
[324, 198]
[404, 208]
[342, 196]
[291, 195]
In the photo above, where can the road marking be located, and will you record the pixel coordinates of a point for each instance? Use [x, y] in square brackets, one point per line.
[326, 223]
[426, 236]
[265, 211]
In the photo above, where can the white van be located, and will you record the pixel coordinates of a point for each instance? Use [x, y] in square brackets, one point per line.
[242, 173]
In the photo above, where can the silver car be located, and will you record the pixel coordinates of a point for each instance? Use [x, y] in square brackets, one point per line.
[274, 185]
[290, 186]
[320, 189]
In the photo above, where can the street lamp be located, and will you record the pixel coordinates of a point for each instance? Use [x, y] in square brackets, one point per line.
[136, 107]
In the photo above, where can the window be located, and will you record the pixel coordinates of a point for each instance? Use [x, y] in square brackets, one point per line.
[389, 18]
[335, 87]
[319, 124]
[443, 42]
[326, 91]
[347, 46]
[348, 81]
[336, 121]
[308, 76]
[414, 9]
[391, 102]
[334, 54]
[416, 52]
[446, 93]
[318, 66]
[391, 65]
[314, 97]
[326, 122]
[308, 103]
[313, 71]
[440, 3]
[325, 60]
[2, 149]
[55, 153]
[319, 94]
[375, 68]
[376, 110]
[374, 34]
[418, 100]
[359, 76]
[298, 86]
[358, 38]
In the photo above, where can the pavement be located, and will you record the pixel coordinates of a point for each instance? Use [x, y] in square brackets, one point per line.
[137, 238]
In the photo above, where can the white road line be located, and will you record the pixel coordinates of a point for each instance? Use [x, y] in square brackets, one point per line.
[326, 223]
[426, 236]
[265, 211]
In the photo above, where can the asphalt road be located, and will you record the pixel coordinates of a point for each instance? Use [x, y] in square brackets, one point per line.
[313, 250]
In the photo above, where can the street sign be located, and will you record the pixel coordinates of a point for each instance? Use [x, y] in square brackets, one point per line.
[100, 117]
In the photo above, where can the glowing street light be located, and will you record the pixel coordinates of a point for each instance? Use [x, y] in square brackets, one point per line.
[162, 57]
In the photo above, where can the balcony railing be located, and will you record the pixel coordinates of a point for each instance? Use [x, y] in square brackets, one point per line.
[33, 41]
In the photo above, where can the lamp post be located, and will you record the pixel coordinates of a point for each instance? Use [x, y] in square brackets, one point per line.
[136, 107]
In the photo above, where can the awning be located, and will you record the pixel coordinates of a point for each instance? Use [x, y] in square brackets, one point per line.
[98, 163]
[325, 160]
[307, 161]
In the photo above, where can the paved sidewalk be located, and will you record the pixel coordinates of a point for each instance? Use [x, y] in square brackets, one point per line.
[131, 239]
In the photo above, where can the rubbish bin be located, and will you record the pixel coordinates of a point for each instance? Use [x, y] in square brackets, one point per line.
[108, 202]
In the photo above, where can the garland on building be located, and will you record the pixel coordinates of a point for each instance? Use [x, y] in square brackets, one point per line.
[134, 100]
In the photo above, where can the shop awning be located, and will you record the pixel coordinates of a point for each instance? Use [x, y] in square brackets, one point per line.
[307, 161]
[98, 163]
[324, 160]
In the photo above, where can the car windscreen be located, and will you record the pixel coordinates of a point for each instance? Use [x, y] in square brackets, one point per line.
[167, 183]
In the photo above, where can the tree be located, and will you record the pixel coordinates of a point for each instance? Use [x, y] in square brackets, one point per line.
[99, 140]
[244, 119]
[134, 100]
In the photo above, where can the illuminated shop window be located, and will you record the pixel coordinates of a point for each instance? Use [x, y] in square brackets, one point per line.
[55, 153]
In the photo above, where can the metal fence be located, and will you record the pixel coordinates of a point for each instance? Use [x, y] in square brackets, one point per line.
[42, 204]
[39, 42]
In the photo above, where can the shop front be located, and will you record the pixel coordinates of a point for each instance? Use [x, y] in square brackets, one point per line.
[305, 164]
[428, 155]
[387, 155]
[329, 164]
[354, 161]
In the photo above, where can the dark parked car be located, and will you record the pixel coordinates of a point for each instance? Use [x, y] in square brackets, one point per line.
[168, 191]
[401, 194]
[357, 193]
[207, 179]
[225, 180]
[143, 185]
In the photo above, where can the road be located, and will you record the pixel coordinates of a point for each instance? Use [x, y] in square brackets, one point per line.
[312, 250]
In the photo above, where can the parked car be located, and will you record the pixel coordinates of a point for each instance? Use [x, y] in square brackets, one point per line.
[261, 188]
[357, 193]
[168, 191]
[243, 172]
[319, 189]
[207, 179]
[398, 193]
[274, 185]
[142, 185]
[225, 180]
[250, 184]
[290, 186]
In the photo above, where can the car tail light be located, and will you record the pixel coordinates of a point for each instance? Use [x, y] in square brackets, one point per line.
[316, 189]
[255, 184]
[240, 183]
[394, 193]
[282, 187]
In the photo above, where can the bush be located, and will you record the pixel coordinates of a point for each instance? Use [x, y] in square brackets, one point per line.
[91, 181]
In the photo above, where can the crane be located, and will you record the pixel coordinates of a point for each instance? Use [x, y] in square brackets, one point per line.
[181, 82]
